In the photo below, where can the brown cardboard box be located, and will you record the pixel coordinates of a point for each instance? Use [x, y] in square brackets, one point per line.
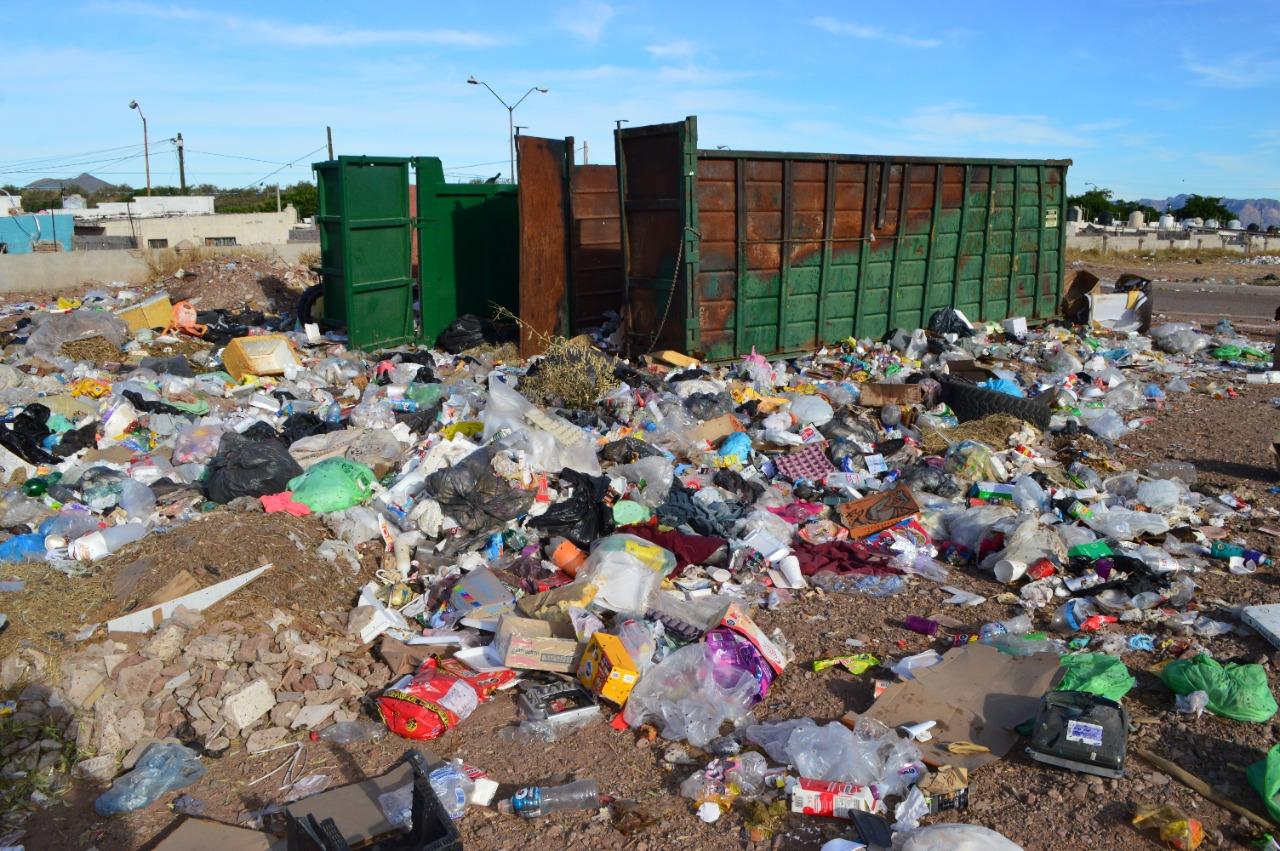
[876, 395]
[871, 514]
[714, 429]
[536, 645]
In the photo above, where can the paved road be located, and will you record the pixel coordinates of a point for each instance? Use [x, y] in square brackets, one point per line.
[1242, 304]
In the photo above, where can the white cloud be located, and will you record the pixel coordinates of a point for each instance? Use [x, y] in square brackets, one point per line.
[673, 50]
[586, 20]
[952, 123]
[872, 33]
[1239, 72]
[286, 34]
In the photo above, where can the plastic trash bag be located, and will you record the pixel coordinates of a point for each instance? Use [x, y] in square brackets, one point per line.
[689, 698]
[652, 476]
[582, 517]
[467, 332]
[1235, 691]
[333, 484]
[626, 570]
[474, 495]
[245, 467]
[1162, 495]
[948, 320]
[196, 444]
[52, 330]
[22, 548]
[163, 768]
[1125, 525]
[811, 409]
[958, 837]
[550, 442]
[1096, 673]
[1264, 777]
[354, 525]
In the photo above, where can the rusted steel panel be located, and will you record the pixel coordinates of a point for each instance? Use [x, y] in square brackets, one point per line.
[793, 249]
[543, 199]
[595, 246]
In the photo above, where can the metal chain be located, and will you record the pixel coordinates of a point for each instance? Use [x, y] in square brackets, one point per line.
[671, 293]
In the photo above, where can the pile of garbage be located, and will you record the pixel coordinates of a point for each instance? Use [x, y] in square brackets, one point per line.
[600, 556]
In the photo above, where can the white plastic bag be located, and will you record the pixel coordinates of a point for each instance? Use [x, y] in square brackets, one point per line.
[958, 837]
[653, 476]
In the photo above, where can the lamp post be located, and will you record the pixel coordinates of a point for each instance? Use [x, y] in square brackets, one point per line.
[146, 148]
[511, 108]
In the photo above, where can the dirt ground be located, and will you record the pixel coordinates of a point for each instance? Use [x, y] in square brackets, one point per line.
[1036, 806]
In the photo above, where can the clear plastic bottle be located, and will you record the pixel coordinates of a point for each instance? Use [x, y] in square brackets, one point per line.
[1072, 614]
[536, 801]
[350, 732]
[453, 787]
[1020, 625]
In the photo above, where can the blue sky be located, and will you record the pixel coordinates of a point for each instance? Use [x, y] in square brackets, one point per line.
[1149, 97]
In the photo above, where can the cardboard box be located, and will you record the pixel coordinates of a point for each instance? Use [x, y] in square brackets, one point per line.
[871, 514]
[607, 669]
[735, 618]
[1128, 308]
[876, 395]
[480, 594]
[716, 428]
[154, 312]
[268, 354]
[535, 645]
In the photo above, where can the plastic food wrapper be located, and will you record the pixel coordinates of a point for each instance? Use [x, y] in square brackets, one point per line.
[857, 663]
[437, 698]
[1175, 828]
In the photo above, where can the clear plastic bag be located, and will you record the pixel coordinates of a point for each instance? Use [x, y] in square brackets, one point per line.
[626, 570]
[690, 697]
[1162, 495]
[1125, 525]
[653, 477]
[52, 330]
[958, 837]
[162, 768]
[354, 525]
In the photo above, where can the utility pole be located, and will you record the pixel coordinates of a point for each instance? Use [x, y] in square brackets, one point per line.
[328, 131]
[146, 147]
[277, 197]
[182, 165]
[584, 152]
[511, 109]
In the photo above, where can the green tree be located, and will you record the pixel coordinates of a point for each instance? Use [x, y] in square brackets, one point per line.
[302, 195]
[1094, 202]
[1205, 207]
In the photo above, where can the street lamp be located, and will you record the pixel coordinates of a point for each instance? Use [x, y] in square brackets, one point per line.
[146, 148]
[511, 108]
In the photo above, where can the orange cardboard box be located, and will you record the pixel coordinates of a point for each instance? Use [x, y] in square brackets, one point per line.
[607, 669]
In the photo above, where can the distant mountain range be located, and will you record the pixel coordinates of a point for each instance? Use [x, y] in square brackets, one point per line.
[1264, 211]
[86, 182]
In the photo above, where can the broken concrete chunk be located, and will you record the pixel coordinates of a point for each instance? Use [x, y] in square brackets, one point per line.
[313, 715]
[261, 740]
[248, 704]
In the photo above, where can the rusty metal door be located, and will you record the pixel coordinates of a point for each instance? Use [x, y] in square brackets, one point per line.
[595, 245]
[656, 169]
[544, 254]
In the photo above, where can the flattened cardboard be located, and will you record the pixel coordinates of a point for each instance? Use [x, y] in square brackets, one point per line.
[354, 808]
[879, 511]
[976, 693]
[716, 428]
[876, 395]
[195, 834]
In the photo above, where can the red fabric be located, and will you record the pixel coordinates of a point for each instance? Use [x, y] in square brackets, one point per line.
[843, 557]
[688, 549]
[284, 501]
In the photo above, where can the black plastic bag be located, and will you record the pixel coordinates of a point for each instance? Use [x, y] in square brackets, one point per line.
[467, 332]
[475, 496]
[583, 517]
[745, 491]
[708, 406]
[148, 407]
[25, 433]
[627, 450]
[176, 365]
[76, 439]
[948, 320]
[247, 467]
[298, 426]
[262, 432]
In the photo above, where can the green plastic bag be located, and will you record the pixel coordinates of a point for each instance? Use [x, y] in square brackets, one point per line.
[1235, 691]
[1264, 777]
[333, 484]
[1227, 352]
[1097, 673]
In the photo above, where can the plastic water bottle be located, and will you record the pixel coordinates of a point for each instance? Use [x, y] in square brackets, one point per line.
[536, 801]
[452, 786]
[350, 732]
[1020, 625]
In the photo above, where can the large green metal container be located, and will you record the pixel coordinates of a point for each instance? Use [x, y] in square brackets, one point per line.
[726, 251]
[469, 248]
[365, 248]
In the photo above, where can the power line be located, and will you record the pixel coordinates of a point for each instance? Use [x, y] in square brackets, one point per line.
[104, 162]
[34, 160]
[235, 157]
[287, 165]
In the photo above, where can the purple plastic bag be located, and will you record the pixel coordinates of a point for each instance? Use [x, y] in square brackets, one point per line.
[732, 655]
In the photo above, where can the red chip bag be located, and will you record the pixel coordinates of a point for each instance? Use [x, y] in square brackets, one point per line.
[437, 698]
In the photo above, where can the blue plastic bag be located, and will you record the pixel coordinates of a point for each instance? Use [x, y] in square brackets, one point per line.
[163, 767]
[1003, 385]
[22, 548]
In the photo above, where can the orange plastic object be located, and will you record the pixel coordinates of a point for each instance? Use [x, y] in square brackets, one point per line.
[184, 320]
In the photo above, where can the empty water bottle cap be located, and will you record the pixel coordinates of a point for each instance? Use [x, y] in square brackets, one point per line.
[709, 811]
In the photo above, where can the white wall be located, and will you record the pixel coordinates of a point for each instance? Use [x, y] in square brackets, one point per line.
[192, 231]
[156, 205]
